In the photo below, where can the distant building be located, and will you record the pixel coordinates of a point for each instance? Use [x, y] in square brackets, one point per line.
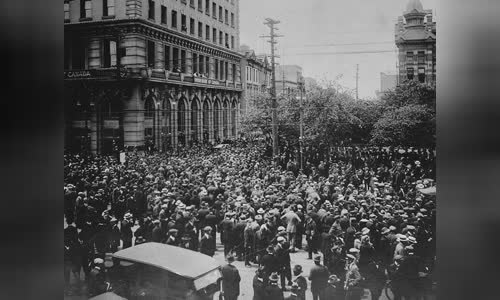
[388, 81]
[415, 36]
[309, 82]
[256, 76]
[287, 79]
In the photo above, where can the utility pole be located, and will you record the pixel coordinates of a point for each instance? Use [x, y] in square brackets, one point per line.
[274, 104]
[301, 137]
[357, 78]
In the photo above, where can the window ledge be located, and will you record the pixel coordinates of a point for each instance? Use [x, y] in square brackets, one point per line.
[67, 20]
[85, 19]
[108, 17]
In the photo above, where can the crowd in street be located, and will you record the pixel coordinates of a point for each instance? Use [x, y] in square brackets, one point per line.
[359, 211]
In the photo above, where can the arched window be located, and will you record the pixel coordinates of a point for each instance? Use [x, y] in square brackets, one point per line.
[194, 119]
[216, 118]
[233, 118]
[225, 119]
[181, 121]
[206, 108]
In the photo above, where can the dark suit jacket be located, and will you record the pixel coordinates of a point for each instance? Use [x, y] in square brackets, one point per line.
[207, 246]
[259, 289]
[230, 280]
[274, 292]
[319, 278]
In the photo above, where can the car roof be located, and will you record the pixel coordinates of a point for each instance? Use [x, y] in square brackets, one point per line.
[183, 262]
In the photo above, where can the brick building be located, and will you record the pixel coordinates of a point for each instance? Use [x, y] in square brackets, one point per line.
[142, 72]
[415, 35]
[256, 76]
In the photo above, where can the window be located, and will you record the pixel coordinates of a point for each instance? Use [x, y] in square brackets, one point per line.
[409, 57]
[163, 14]
[151, 10]
[214, 10]
[174, 19]
[175, 59]
[232, 42]
[200, 5]
[191, 26]
[234, 72]
[221, 36]
[226, 17]
[421, 57]
[108, 8]
[226, 69]
[151, 54]
[195, 63]
[78, 53]
[183, 22]
[421, 75]
[409, 73]
[191, 3]
[85, 9]
[227, 40]
[214, 35]
[207, 32]
[216, 69]
[232, 19]
[167, 58]
[221, 75]
[207, 7]
[183, 61]
[200, 29]
[108, 54]
[220, 14]
[207, 66]
[201, 64]
[66, 11]
[184, 1]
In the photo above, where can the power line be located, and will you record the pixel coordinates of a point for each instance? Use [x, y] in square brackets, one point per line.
[344, 52]
[344, 44]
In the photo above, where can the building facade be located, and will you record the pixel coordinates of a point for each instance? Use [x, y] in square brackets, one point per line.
[415, 35]
[287, 79]
[256, 76]
[150, 73]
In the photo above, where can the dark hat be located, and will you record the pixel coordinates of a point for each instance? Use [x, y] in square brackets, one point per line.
[230, 258]
[297, 269]
[317, 258]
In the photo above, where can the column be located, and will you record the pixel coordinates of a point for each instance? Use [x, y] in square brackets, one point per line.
[133, 118]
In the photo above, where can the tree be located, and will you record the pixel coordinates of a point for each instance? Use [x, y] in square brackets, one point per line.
[411, 92]
[409, 125]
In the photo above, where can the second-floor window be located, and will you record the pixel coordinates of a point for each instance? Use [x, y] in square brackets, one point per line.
[86, 9]
[214, 10]
[167, 58]
[232, 19]
[108, 8]
[227, 40]
[421, 57]
[409, 57]
[207, 32]
[163, 14]
[151, 9]
[191, 3]
[200, 29]
[232, 42]
[220, 13]
[207, 7]
[226, 17]
[151, 54]
[66, 10]
[200, 5]
[174, 19]
[191, 25]
[221, 37]
[108, 54]
[214, 35]
[183, 22]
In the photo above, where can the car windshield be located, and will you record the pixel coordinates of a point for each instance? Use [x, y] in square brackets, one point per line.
[207, 279]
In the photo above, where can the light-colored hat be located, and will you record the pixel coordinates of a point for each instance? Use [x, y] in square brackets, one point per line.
[98, 261]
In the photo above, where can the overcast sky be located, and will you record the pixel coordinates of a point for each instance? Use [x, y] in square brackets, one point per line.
[306, 23]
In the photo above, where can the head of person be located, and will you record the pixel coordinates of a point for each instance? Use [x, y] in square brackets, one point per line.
[317, 260]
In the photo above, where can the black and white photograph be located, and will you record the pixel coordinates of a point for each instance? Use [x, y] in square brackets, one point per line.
[250, 149]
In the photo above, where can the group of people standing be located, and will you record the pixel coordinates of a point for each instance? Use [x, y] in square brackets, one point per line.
[360, 208]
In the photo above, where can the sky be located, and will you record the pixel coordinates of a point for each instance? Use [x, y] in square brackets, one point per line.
[305, 24]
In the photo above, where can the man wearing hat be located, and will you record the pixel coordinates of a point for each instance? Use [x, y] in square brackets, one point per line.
[352, 279]
[172, 237]
[400, 246]
[273, 291]
[126, 230]
[259, 285]
[226, 229]
[300, 281]
[206, 242]
[97, 278]
[319, 278]
[156, 233]
[230, 279]
[334, 289]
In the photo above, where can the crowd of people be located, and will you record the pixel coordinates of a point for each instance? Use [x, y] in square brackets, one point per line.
[360, 208]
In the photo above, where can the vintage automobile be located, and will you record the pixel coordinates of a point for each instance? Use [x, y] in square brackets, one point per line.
[159, 271]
